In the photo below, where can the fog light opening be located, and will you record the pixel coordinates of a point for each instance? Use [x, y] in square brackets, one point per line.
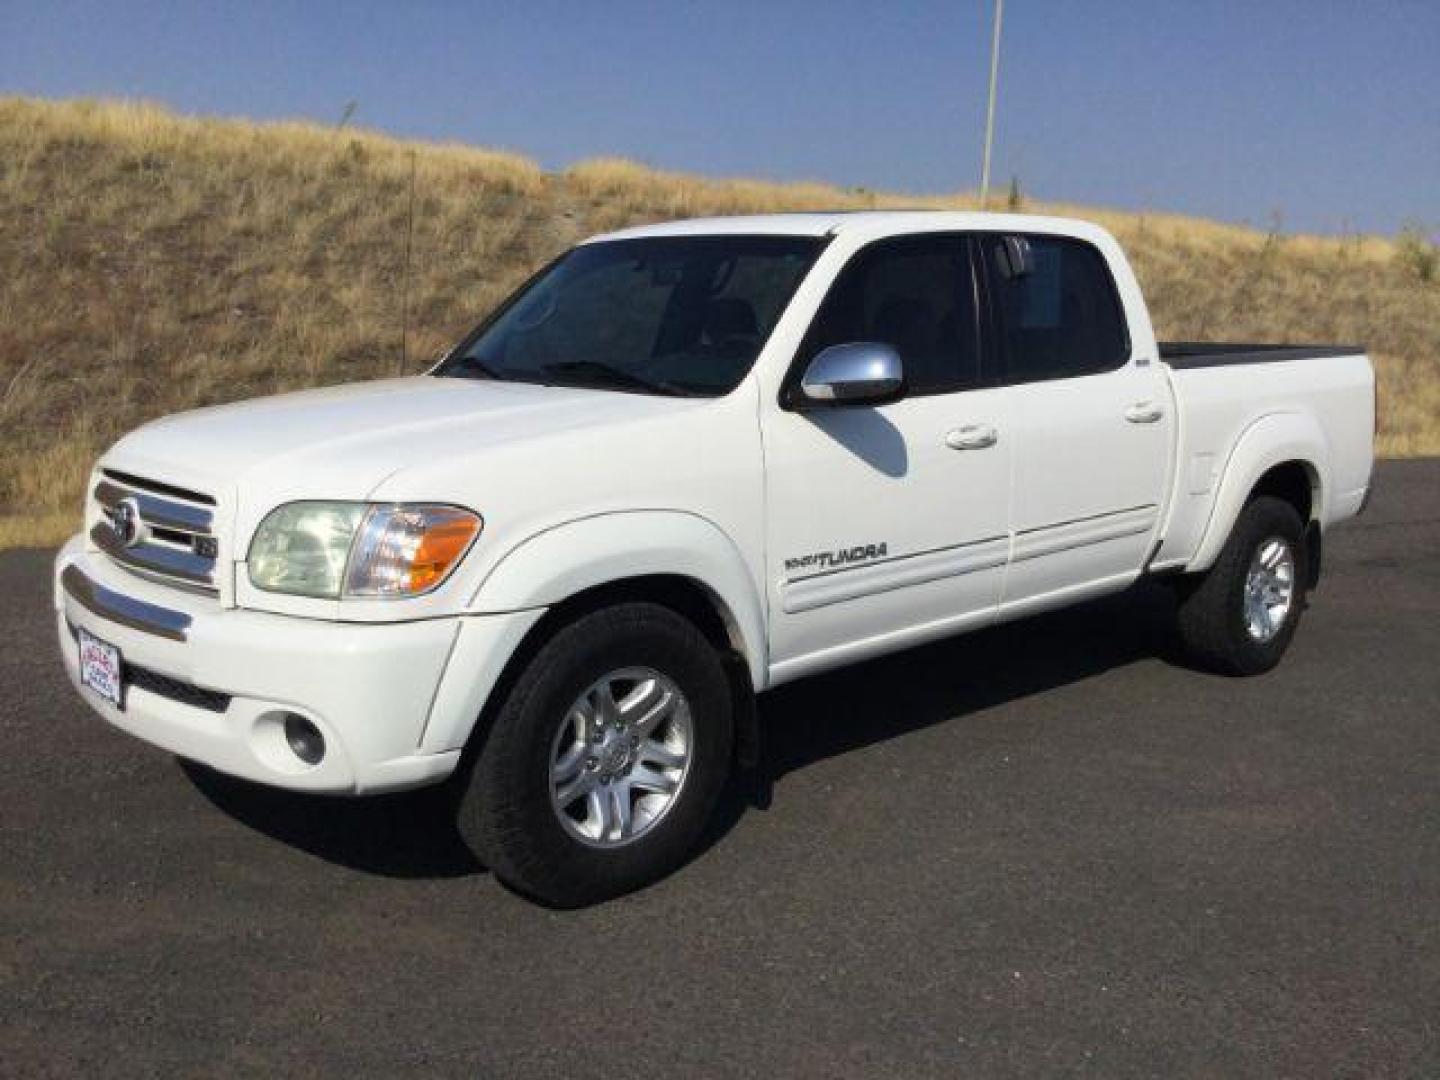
[305, 740]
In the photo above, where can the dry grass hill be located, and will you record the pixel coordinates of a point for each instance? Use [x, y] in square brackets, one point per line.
[151, 262]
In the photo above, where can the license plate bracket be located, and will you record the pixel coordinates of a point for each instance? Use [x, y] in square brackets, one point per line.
[102, 668]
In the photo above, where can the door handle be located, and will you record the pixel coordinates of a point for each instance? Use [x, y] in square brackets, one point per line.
[972, 437]
[1144, 412]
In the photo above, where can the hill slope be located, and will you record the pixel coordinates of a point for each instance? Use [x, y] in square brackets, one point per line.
[150, 262]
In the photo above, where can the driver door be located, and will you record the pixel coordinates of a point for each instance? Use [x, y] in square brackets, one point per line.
[886, 524]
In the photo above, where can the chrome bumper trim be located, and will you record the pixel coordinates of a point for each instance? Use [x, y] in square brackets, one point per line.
[125, 610]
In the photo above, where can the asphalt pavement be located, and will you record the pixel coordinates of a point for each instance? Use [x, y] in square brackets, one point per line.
[1044, 849]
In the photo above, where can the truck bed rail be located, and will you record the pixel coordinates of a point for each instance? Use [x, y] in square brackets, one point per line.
[1197, 354]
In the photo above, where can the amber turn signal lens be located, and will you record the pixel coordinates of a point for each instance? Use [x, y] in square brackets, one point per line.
[408, 549]
[440, 547]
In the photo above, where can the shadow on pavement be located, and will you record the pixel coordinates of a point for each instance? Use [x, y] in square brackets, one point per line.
[407, 835]
[413, 835]
[832, 714]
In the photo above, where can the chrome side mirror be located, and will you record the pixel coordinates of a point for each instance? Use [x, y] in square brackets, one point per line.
[860, 373]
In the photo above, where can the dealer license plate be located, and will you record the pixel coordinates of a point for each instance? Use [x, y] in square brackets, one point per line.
[100, 668]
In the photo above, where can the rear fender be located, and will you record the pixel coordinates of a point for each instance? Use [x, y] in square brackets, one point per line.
[1271, 440]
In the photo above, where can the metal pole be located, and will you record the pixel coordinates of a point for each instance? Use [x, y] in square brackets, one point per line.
[405, 280]
[990, 108]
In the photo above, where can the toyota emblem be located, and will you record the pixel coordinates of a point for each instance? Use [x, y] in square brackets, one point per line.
[125, 519]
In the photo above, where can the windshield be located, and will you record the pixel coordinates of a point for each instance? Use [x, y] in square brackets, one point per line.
[671, 315]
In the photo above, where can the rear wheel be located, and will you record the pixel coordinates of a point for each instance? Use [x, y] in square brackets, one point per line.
[1240, 616]
[605, 761]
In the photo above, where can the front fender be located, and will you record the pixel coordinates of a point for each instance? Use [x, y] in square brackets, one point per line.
[560, 562]
[1270, 441]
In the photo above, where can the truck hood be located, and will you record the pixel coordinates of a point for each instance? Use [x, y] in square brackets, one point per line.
[342, 442]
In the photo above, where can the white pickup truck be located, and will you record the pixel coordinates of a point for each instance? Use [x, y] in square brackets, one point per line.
[683, 464]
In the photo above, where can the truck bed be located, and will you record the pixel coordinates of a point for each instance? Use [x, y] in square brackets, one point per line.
[1198, 354]
[1289, 395]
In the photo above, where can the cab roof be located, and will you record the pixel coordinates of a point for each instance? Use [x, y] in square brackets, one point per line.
[869, 222]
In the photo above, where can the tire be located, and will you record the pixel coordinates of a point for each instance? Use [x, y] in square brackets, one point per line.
[1215, 627]
[508, 812]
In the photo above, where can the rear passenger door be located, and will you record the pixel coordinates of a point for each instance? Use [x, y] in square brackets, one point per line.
[1090, 423]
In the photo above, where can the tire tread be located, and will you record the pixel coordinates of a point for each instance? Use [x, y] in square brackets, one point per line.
[507, 823]
[1207, 618]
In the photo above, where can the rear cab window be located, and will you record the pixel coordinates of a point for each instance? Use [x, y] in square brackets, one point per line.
[1057, 310]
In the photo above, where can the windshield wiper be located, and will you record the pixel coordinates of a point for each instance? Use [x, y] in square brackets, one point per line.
[610, 375]
[471, 363]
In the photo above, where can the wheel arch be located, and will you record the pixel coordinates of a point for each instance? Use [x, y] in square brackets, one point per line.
[679, 561]
[1283, 455]
[670, 557]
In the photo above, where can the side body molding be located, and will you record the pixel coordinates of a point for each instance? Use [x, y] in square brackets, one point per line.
[556, 564]
[1271, 440]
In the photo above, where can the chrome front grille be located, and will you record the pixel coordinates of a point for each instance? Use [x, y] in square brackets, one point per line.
[157, 530]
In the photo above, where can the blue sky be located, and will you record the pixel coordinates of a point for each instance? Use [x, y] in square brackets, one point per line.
[1325, 113]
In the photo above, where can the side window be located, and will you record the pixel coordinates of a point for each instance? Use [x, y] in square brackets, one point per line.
[916, 294]
[1060, 317]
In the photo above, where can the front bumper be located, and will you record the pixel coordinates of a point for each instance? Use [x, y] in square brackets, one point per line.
[394, 701]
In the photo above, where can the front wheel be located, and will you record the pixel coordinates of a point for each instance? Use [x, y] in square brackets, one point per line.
[1240, 615]
[605, 761]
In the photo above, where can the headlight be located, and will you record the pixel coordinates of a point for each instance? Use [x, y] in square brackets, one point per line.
[302, 548]
[336, 549]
